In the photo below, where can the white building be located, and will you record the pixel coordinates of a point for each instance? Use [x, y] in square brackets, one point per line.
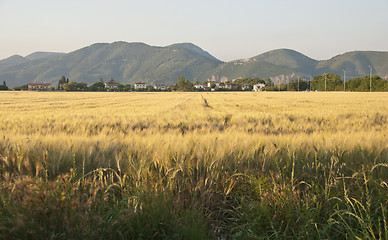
[258, 87]
[140, 85]
[199, 86]
[231, 86]
[160, 87]
[210, 83]
[39, 86]
[112, 85]
[246, 87]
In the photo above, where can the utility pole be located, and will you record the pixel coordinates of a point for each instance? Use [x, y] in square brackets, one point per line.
[325, 82]
[344, 80]
[370, 78]
[298, 84]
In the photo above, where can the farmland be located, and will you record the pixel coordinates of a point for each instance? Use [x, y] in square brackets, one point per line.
[193, 165]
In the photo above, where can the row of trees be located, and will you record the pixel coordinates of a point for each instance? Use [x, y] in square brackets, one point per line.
[325, 82]
[333, 82]
[65, 84]
[252, 81]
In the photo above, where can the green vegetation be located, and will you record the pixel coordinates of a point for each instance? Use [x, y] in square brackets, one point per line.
[124, 88]
[327, 82]
[20, 88]
[252, 81]
[332, 82]
[61, 82]
[64, 84]
[184, 85]
[74, 86]
[4, 86]
[298, 85]
[363, 84]
[97, 86]
[193, 165]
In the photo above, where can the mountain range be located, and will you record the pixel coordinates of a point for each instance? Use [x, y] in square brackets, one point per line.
[139, 62]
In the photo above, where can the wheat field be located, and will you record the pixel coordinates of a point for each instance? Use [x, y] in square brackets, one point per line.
[231, 165]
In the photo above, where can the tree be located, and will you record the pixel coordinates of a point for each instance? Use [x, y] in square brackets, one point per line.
[74, 86]
[379, 84]
[184, 84]
[97, 86]
[127, 88]
[4, 86]
[150, 88]
[271, 88]
[249, 81]
[22, 87]
[363, 84]
[267, 82]
[123, 88]
[82, 86]
[327, 81]
[293, 85]
[62, 81]
[282, 86]
[120, 88]
[71, 86]
[110, 81]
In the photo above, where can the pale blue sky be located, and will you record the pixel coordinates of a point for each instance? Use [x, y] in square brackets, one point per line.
[226, 29]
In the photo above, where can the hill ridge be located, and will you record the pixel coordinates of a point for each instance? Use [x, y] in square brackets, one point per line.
[137, 61]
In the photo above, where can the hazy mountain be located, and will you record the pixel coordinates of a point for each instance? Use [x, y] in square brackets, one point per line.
[247, 68]
[125, 62]
[11, 61]
[196, 49]
[40, 55]
[274, 63]
[282, 64]
[289, 59]
[356, 64]
[15, 63]
[133, 62]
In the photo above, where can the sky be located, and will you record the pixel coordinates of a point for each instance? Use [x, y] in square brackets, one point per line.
[227, 29]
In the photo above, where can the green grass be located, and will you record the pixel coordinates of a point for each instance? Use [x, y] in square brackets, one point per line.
[275, 194]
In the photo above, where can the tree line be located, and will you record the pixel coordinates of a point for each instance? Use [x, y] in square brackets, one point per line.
[333, 82]
[324, 82]
[66, 85]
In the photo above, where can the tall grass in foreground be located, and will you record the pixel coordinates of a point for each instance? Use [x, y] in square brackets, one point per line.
[164, 166]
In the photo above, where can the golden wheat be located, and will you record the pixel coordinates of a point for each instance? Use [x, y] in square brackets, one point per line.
[157, 124]
[235, 157]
